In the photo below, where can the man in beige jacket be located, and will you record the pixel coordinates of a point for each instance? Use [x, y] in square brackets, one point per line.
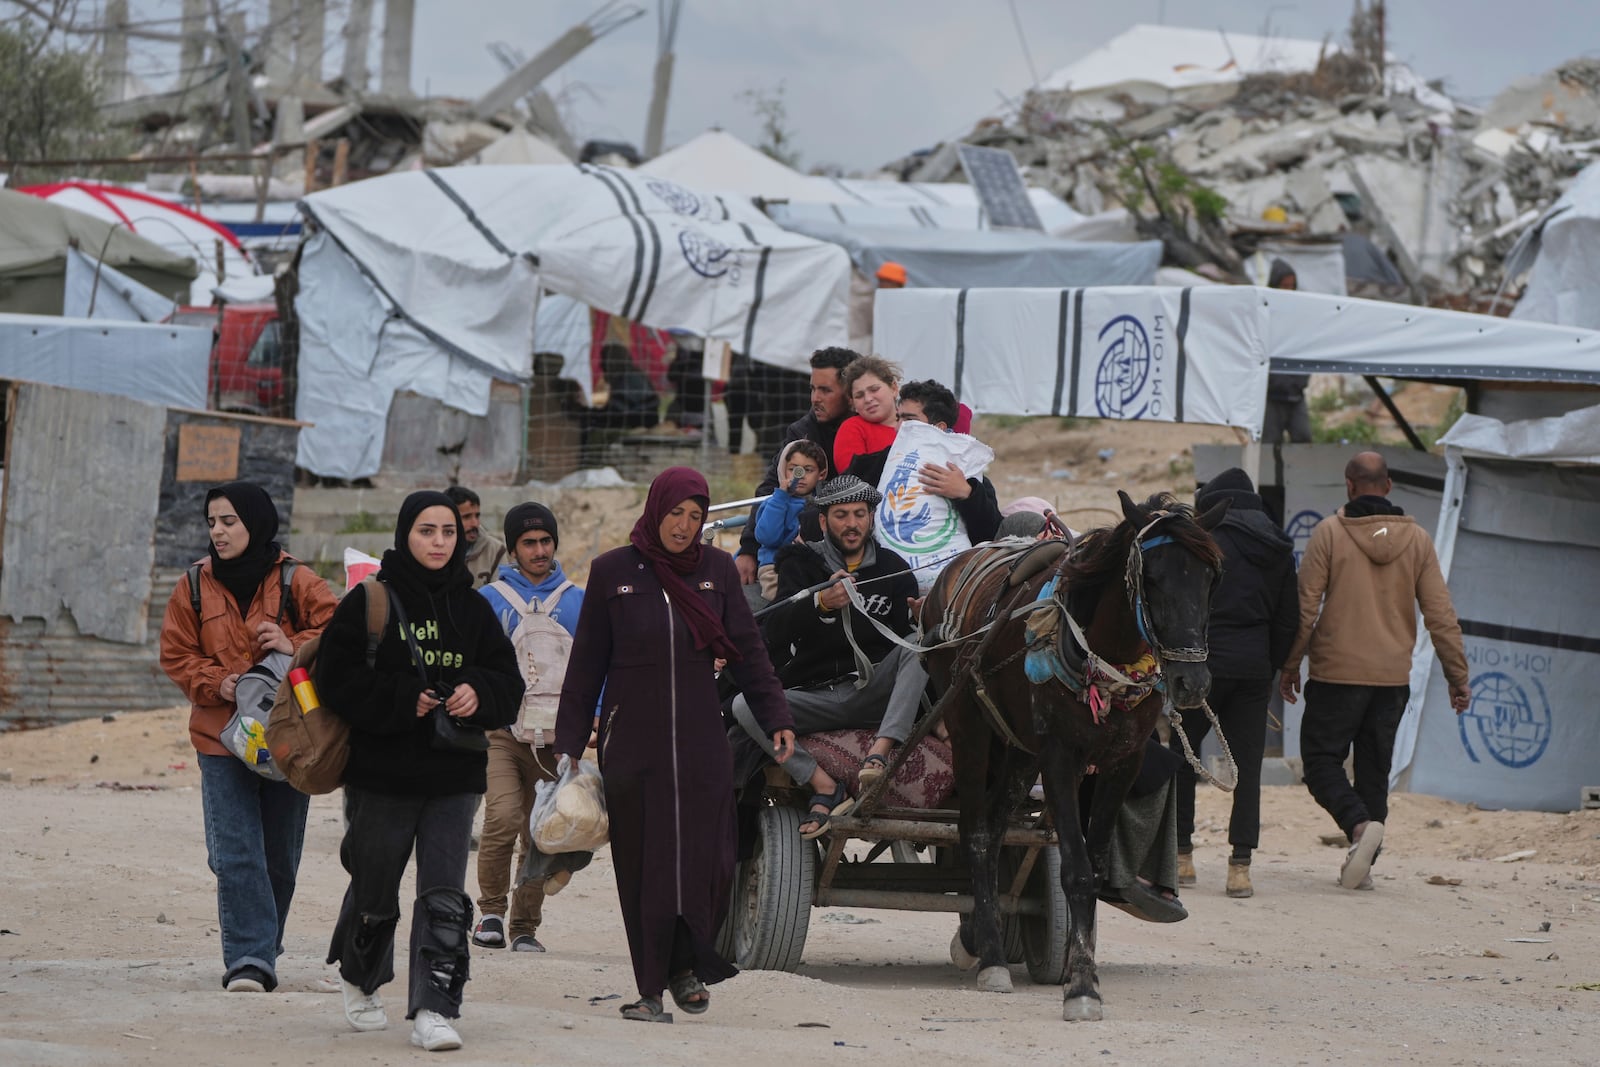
[1365, 571]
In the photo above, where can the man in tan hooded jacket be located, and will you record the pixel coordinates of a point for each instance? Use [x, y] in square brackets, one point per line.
[1365, 571]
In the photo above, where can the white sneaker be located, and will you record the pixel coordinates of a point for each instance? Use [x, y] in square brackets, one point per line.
[1358, 861]
[246, 983]
[363, 1011]
[433, 1032]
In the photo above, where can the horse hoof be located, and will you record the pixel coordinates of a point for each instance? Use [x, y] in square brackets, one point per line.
[994, 980]
[1082, 1010]
[959, 955]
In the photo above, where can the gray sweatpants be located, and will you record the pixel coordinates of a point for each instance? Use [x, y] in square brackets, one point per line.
[887, 705]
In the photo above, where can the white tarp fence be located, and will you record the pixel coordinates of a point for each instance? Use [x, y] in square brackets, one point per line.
[143, 361]
[429, 281]
[1154, 353]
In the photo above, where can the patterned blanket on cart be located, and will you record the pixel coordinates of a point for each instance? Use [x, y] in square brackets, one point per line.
[925, 780]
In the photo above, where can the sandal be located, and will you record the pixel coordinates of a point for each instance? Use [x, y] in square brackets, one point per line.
[873, 767]
[685, 986]
[645, 1010]
[1145, 901]
[836, 803]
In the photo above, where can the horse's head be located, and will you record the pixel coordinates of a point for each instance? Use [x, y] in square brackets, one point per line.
[1173, 564]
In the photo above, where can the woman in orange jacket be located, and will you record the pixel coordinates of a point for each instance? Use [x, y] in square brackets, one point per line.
[254, 826]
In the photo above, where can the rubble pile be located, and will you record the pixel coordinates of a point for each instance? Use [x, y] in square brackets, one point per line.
[1443, 189]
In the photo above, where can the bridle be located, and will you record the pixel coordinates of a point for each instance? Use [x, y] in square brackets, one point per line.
[1134, 582]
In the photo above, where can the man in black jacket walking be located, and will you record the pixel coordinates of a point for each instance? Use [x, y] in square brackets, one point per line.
[1254, 614]
[830, 406]
[839, 670]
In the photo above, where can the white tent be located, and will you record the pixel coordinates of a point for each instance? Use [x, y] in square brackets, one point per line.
[429, 281]
[1563, 248]
[1196, 355]
[1519, 513]
[915, 205]
[518, 147]
[718, 161]
[1154, 63]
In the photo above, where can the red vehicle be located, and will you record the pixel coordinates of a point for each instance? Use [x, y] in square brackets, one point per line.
[247, 358]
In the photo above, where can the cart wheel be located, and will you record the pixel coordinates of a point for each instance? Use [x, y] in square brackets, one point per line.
[771, 906]
[1044, 936]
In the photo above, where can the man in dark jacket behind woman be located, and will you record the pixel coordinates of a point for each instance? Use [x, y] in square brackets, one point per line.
[1254, 613]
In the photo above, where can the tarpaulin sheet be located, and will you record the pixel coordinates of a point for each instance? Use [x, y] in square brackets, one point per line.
[1161, 354]
[1530, 738]
[1563, 246]
[95, 291]
[144, 361]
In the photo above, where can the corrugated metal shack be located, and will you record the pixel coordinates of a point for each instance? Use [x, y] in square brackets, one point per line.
[101, 512]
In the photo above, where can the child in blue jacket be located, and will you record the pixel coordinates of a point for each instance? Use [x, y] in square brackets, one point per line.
[802, 465]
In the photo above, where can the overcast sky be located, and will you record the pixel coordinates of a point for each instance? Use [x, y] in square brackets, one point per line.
[869, 80]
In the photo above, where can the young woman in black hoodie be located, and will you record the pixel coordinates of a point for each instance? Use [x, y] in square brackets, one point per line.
[401, 789]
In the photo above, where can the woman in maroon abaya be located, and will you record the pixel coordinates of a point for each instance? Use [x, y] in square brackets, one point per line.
[656, 614]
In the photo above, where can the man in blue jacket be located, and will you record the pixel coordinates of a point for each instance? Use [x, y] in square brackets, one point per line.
[520, 757]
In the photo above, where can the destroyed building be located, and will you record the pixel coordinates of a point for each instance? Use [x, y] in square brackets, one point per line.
[1305, 141]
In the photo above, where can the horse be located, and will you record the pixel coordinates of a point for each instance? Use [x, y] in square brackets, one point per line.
[1138, 592]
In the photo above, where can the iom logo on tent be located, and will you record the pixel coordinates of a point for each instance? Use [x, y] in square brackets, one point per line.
[1299, 530]
[675, 196]
[709, 257]
[1127, 384]
[1510, 720]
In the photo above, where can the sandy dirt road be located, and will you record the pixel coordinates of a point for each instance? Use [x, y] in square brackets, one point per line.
[109, 950]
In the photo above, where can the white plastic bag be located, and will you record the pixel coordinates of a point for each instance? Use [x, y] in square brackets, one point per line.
[569, 814]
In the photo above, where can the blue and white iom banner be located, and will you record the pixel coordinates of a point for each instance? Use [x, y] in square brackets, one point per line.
[1111, 352]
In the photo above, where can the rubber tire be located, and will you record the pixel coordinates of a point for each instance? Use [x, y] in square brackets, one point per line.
[772, 891]
[1044, 936]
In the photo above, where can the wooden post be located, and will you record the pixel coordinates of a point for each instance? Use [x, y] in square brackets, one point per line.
[341, 160]
[222, 267]
[313, 149]
[264, 182]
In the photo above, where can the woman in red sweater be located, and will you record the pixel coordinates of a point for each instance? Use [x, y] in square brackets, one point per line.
[872, 384]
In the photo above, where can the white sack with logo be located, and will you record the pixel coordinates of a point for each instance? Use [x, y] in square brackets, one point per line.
[923, 528]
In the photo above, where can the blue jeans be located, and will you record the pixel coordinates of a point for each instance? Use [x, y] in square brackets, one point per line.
[254, 830]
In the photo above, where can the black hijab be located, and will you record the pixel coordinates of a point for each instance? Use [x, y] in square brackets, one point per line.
[404, 570]
[243, 575]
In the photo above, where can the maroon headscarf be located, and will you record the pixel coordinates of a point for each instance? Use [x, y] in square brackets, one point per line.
[672, 487]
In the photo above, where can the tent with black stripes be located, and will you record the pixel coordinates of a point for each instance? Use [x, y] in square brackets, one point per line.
[432, 281]
[1513, 504]
[1197, 355]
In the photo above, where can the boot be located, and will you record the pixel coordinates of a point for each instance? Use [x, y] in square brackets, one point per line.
[1186, 875]
[1239, 881]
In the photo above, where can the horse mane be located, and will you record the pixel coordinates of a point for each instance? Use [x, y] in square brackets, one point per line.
[1101, 555]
